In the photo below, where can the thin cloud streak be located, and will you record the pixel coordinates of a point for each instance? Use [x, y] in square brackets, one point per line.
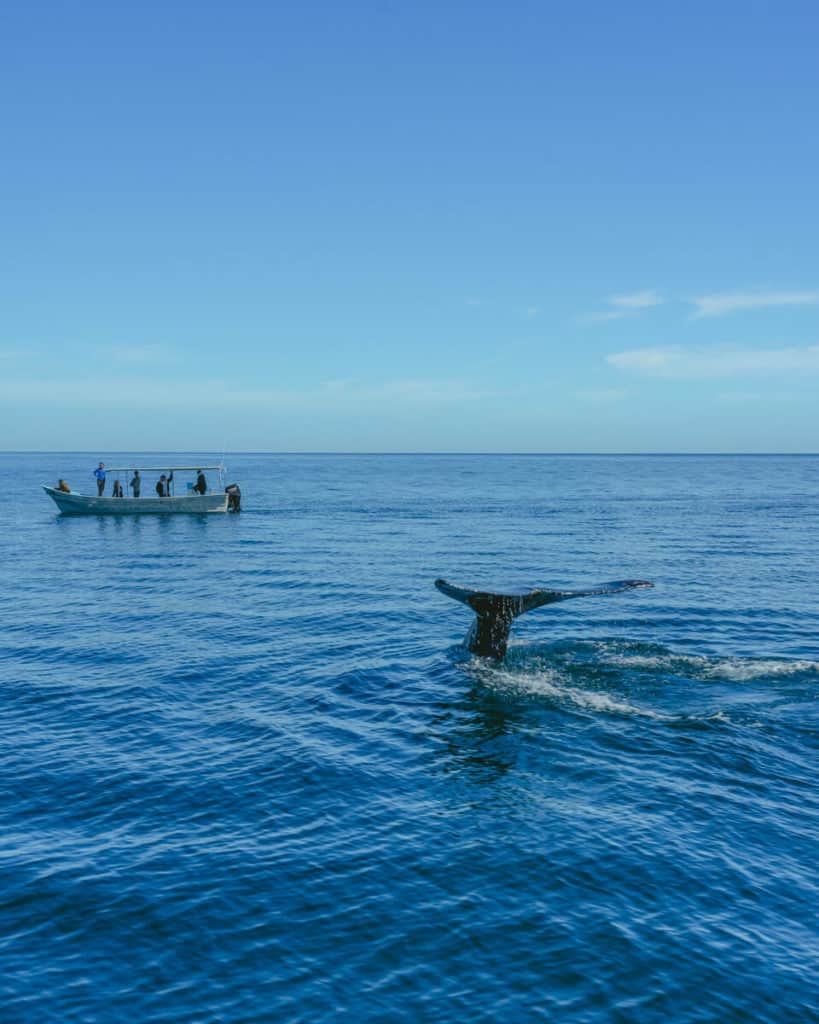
[638, 300]
[602, 318]
[624, 305]
[722, 303]
[601, 395]
[677, 362]
[9, 355]
[757, 397]
[140, 355]
[336, 395]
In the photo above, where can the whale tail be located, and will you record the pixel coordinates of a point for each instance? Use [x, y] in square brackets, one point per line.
[495, 611]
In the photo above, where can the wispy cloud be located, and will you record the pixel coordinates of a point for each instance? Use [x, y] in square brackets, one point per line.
[532, 312]
[638, 300]
[624, 305]
[601, 395]
[118, 354]
[602, 318]
[721, 303]
[140, 355]
[130, 391]
[756, 397]
[9, 355]
[676, 361]
[414, 389]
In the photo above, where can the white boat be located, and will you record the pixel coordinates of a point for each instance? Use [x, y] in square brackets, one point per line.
[191, 502]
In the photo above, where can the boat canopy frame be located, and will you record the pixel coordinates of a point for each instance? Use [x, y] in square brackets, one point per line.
[221, 470]
[164, 469]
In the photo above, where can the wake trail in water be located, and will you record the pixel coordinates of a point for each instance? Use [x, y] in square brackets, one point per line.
[699, 666]
[571, 674]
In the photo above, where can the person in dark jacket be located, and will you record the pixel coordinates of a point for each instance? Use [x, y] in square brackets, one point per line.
[117, 489]
[136, 483]
[234, 497]
[162, 486]
[99, 473]
[201, 485]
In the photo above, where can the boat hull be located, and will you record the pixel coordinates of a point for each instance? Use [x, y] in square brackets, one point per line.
[88, 505]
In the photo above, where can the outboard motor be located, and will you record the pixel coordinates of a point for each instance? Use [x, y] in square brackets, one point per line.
[234, 498]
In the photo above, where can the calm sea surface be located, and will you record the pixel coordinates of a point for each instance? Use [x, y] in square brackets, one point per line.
[248, 774]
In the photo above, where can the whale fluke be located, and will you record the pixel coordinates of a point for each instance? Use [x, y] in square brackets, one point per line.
[495, 611]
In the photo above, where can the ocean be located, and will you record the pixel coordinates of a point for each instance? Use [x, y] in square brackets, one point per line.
[248, 772]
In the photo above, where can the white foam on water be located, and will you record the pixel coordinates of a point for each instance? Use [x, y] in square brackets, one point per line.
[740, 669]
[549, 682]
[554, 682]
[597, 701]
[653, 661]
[735, 668]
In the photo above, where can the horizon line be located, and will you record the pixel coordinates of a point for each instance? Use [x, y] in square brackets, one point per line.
[518, 454]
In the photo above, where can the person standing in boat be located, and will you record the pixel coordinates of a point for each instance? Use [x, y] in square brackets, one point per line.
[162, 486]
[201, 485]
[99, 473]
[136, 483]
[117, 489]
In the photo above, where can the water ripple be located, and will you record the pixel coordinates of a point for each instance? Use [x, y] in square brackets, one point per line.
[248, 773]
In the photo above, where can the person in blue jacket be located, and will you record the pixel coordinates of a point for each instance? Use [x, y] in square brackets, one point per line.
[99, 473]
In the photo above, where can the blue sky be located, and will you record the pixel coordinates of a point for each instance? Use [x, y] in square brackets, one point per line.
[419, 227]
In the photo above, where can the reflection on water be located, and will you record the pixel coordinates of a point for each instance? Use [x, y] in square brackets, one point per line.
[477, 733]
